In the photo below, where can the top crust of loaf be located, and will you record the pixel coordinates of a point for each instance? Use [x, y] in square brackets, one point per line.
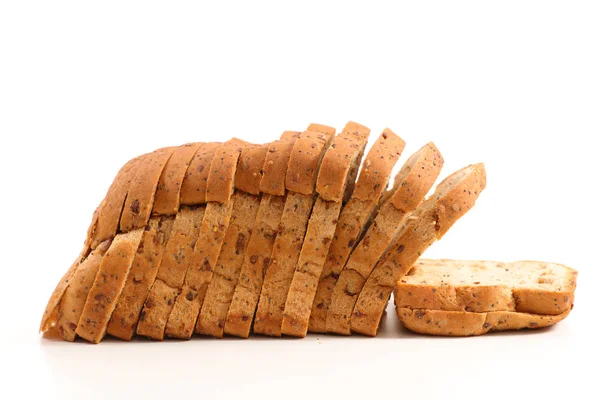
[339, 159]
[305, 159]
[193, 187]
[222, 171]
[249, 169]
[276, 163]
[377, 168]
[484, 286]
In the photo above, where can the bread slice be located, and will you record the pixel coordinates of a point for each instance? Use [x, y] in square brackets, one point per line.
[143, 272]
[168, 191]
[211, 320]
[219, 190]
[411, 185]
[340, 158]
[276, 164]
[453, 197]
[356, 215]
[71, 305]
[462, 323]
[484, 286]
[178, 251]
[193, 187]
[142, 190]
[107, 286]
[301, 176]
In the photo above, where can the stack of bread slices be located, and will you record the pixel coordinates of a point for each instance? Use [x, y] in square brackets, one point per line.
[278, 239]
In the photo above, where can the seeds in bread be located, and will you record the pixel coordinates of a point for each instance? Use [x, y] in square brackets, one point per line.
[453, 197]
[71, 305]
[222, 171]
[143, 272]
[412, 183]
[193, 187]
[305, 159]
[249, 168]
[171, 273]
[107, 287]
[461, 323]
[485, 286]
[275, 167]
[225, 277]
[354, 218]
[168, 191]
[337, 162]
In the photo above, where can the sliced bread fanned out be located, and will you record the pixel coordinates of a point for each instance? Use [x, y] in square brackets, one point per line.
[301, 177]
[411, 185]
[339, 161]
[200, 266]
[354, 218]
[453, 197]
[211, 320]
[483, 286]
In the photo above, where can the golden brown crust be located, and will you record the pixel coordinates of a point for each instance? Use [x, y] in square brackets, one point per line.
[305, 160]
[377, 168]
[453, 197]
[71, 305]
[275, 167]
[222, 171]
[249, 168]
[222, 286]
[412, 183]
[458, 323]
[193, 187]
[171, 272]
[142, 190]
[107, 287]
[168, 191]
[143, 272]
[257, 258]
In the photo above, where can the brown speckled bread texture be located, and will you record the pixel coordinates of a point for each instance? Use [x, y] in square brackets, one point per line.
[453, 197]
[193, 187]
[339, 159]
[533, 287]
[412, 183]
[307, 153]
[356, 215]
[461, 323]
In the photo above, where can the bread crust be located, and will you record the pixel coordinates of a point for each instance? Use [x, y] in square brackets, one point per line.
[193, 187]
[459, 323]
[275, 166]
[354, 219]
[168, 191]
[453, 197]
[412, 183]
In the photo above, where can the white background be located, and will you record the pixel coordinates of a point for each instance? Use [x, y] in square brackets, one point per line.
[516, 84]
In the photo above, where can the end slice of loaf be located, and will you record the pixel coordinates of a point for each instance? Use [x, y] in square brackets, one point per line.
[453, 197]
[485, 286]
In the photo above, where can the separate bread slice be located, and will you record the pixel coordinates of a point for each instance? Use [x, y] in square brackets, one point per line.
[193, 187]
[168, 191]
[453, 197]
[276, 164]
[182, 320]
[107, 287]
[178, 251]
[340, 158]
[461, 323]
[211, 320]
[142, 190]
[71, 305]
[143, 272]
[411, 185]
[484, 286]
[301, 176]
[356, 215]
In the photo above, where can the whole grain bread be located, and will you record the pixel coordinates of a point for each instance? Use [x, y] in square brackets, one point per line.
[305, 159]
[143, 272]
[356, 215]
[462, 323]
[108, 284]
[484, 286]
[412, 183]
[339, 159]
[193, 187]
[453, 197]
